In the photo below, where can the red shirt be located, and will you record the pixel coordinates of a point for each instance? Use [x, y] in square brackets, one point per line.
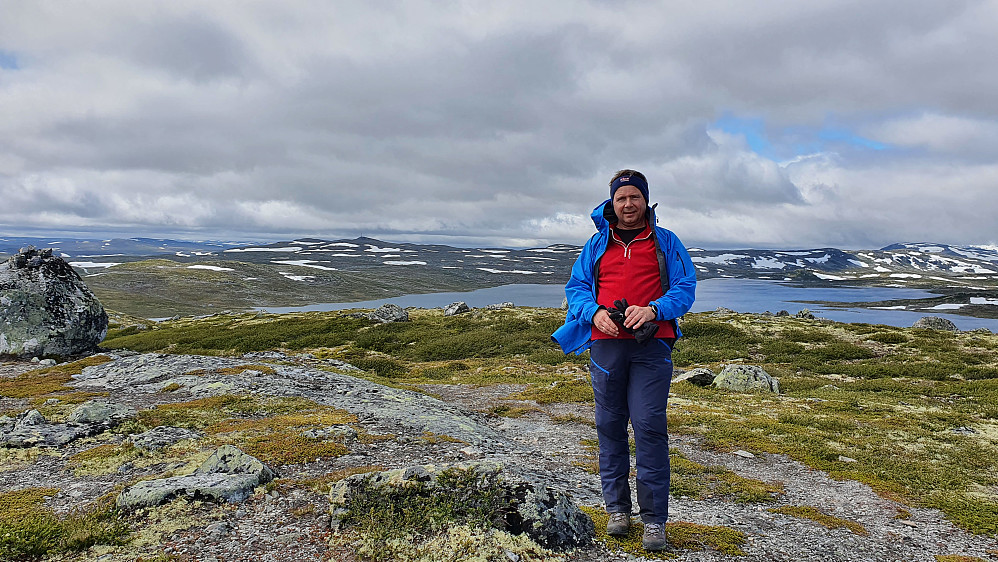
[630, 271]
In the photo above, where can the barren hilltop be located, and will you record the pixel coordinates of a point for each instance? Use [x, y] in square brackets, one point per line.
[880, 445]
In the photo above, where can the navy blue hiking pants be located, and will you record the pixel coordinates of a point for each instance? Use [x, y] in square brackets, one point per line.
[631, 382]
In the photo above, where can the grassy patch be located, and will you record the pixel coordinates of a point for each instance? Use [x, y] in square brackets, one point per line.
[576, 390]
[685, 536]
[49, 380]
[103, 459]
[812, 513]
[695, 480]
[29, 529]
[267, 428]
[511, 411]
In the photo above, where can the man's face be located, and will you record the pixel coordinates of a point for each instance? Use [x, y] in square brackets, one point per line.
[629, 206]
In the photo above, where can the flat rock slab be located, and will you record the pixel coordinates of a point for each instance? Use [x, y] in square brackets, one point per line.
[149, 373]
[228, 475]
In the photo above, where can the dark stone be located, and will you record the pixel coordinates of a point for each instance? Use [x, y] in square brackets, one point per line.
[935, 323]
[389, 313]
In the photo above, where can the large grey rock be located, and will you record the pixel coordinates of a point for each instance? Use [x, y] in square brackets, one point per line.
[746, 378]
[387, 313]
[45, 308]
[228, 475]
[699, 376]
[935, 323]
[547, 516]
[459, 307]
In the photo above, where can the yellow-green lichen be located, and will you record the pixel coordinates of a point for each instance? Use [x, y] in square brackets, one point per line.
[814, 514]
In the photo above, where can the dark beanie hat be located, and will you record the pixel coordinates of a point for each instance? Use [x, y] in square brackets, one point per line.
[635, 180]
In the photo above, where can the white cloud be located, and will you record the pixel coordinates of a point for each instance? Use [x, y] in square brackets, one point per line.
[498, 124]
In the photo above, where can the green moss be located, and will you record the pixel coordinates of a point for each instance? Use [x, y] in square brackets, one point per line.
[511, 411]
[695, 480]
[888, 337]
[683, 536]
[957, 558]
[29, 529]
[577, 390]
[814, 514]
[103, 459]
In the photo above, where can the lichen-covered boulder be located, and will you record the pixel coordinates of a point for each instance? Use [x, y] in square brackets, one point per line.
[228, 475]
[45, 308]
[935, 323]
[518, 505]
[388, 313]
[459, 307]
[31, 429]
[746, 378]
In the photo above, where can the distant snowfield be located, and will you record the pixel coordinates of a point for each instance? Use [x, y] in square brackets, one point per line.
[395, 262]
[93, 264]
[305, 263]
[521, 272]
[256, 249]
[297, 277]
[723, 258]
[210, 267]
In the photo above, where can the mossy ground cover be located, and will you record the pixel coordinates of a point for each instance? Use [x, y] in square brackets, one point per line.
[820, 517]
[29, 529]
[917, 409]
[461, 515]
[681, 535]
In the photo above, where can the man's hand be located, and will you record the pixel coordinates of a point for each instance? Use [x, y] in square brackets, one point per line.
[604, 324]
[636, 316]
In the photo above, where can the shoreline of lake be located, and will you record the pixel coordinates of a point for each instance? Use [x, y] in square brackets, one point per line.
[740, 295]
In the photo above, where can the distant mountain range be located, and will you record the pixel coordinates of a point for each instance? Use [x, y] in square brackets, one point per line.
[912, 264]
[156, 278]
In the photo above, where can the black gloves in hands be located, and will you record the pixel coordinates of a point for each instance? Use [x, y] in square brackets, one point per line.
[643, 334]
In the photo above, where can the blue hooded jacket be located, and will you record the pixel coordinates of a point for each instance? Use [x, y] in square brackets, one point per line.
[678, 275]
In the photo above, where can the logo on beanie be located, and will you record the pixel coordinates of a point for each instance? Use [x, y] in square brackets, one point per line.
[623, 179]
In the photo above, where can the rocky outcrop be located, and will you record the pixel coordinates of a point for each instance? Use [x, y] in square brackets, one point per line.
[45, 308]
[746, 378]
[459, 307]
[499, 306]
[935, 323]
[31, 429]
[228, 475]
[522, 506]
[388, 313]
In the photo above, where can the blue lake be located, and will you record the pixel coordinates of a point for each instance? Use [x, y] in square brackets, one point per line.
[741, 295]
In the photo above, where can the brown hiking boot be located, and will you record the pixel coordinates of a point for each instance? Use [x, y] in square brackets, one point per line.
[654, 537]
[619, 524]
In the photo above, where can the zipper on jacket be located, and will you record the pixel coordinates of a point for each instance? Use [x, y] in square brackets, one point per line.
[627, 247]
[680, 260]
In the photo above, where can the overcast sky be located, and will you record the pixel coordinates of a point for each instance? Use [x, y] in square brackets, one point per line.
[841, 123]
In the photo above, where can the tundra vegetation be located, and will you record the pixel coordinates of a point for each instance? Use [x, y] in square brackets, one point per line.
[917, 409]
[913, 413]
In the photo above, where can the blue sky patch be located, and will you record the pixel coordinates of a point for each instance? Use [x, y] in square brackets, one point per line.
[8, 61]
[789, 142]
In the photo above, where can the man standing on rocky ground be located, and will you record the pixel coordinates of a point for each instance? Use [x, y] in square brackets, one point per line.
[629, 284]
